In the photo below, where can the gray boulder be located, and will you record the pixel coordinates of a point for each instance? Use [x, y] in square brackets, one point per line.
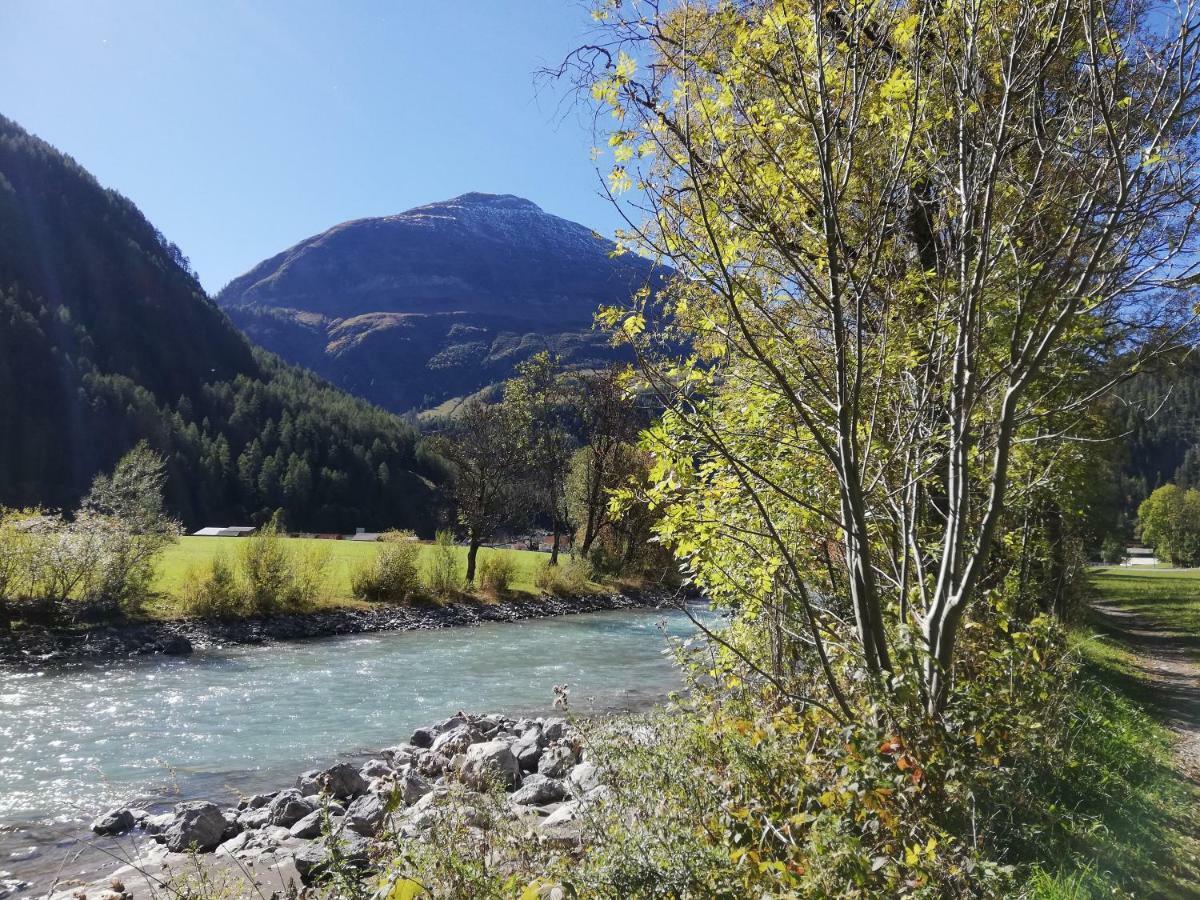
[584, 778]
[413, 787]
[529, 732]
[430, 799]
[313, 860]
[366, 815]
[334, 808]
[528, 756]
[232, 826]
[288, 808]
[490, 760]
[553, 730]
[431, 765]
[115, 821]
[234, 845]
[450, 724]
[251, 819]
[564, 815]
[556, 762]
[198, 825]
[376, 768]
[538, 790]
[562, 828]
[456, 740]
[310, 861]
[343, 781]
[310, 826]
[154, 825]
[422, 737]
[257, 801]
[309, 782]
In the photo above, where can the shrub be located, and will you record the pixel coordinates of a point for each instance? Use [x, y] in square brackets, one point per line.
[97, 564]
[1112, 551]
[276, 578]
[570, 579]
[121, 526]
[268, 577]
[213, 594]
[442, 575]
[364, 579]
[398, 536]
[266, 567]
[16, 548]
[393, 576]
[308, 581]
[497, 572]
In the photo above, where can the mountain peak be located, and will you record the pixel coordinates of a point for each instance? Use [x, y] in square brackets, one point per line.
[491, 201]
[440, 301]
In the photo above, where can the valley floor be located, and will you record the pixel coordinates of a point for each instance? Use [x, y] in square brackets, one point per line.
[342, 558]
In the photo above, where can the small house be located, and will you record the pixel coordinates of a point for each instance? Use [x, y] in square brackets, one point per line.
[225, 531]
[1139, 556]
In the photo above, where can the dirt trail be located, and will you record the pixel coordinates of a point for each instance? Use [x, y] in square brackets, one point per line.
[1168, 663]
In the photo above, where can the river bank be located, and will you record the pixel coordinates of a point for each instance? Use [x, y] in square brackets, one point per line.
[182, 637]
[476, 768]
[236, 720]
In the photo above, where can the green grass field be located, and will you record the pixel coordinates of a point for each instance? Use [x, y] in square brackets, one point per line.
[1145, 840]
[1170, 598]
[344, 558]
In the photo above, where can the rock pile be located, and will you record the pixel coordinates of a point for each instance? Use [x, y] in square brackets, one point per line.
[539, 763]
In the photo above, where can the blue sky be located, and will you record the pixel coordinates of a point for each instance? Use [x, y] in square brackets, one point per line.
[239, 128]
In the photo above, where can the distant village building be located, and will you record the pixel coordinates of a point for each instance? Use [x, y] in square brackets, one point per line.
[361, 534]
[230, 531]
[1139, 556]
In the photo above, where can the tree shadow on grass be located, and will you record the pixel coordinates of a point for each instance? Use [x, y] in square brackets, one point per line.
[1159, 671]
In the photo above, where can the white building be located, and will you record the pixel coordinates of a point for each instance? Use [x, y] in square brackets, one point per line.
[230, 531]
[1139, 556]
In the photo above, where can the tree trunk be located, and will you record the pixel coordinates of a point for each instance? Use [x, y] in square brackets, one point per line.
[627, 554]
[963, 560]
[1055, 536]
[554, 547]
[595, 497]
[589, 532]
[472, 553]
[864, 590]
[941, 635]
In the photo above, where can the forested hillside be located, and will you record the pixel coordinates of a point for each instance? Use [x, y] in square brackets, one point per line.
[106, 337]
[1157, 415]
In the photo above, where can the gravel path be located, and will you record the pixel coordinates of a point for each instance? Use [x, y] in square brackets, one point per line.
[1168, 666]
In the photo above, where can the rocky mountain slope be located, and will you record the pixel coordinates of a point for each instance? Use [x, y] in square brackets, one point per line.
[106, 338]
[413, 310]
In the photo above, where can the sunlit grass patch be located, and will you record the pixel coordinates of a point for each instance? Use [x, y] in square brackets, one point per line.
[1169, 598]
[1144, 841]
[345, 557]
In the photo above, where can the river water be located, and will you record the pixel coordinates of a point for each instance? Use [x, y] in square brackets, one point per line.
[76, 740]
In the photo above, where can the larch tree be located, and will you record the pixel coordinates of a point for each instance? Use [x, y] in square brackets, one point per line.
[483, 449]
[537, 401]
[911, 239]
[609, 423]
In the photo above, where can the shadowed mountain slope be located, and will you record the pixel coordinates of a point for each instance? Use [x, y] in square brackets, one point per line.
[438, 302]
[106, 338]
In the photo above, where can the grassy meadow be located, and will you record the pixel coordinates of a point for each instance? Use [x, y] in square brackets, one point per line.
[344, 558]
[1147, 834]
[1170, 598]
